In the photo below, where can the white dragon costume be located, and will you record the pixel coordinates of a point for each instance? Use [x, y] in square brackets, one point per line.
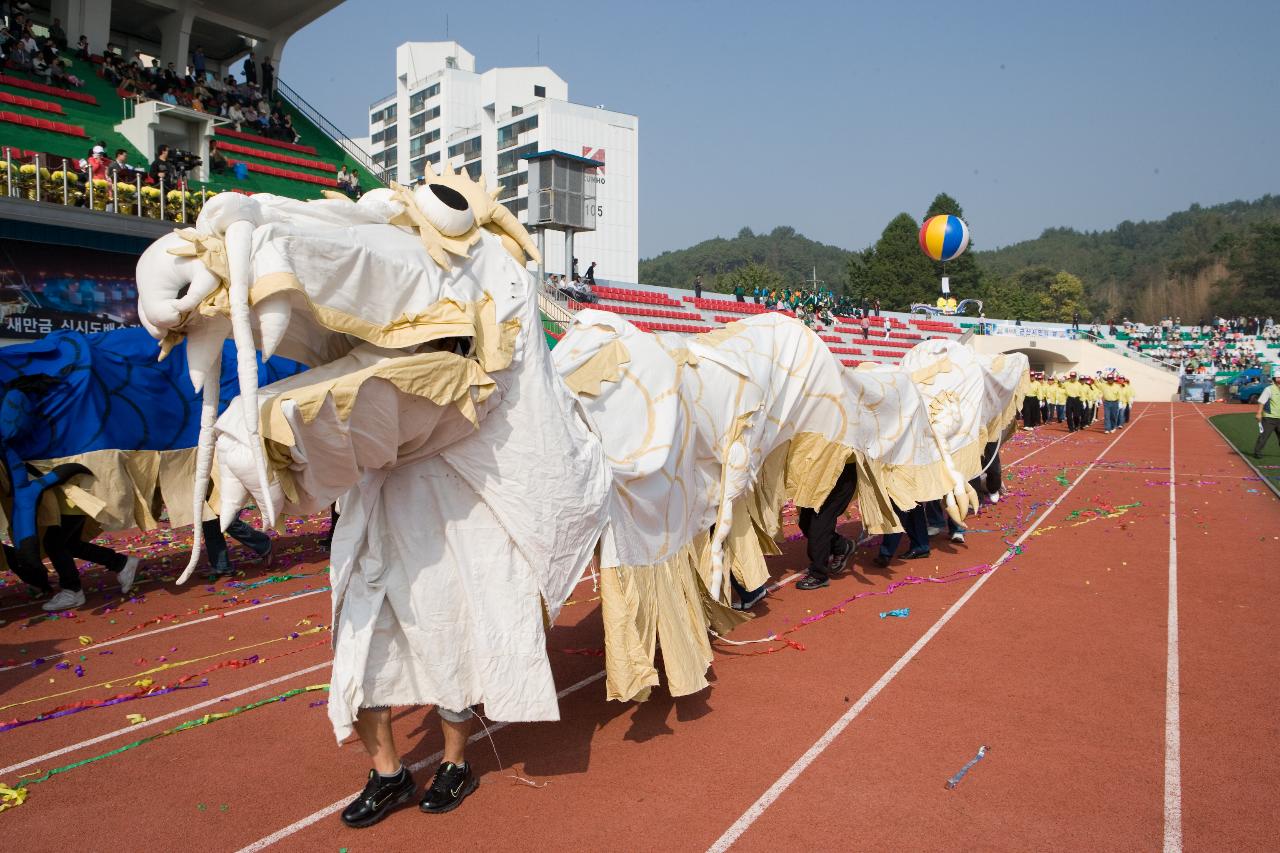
[718, 431]
[472, 493]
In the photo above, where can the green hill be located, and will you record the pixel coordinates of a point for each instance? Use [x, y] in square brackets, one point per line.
[788, 254]
[1194, 263]
[1186, 264]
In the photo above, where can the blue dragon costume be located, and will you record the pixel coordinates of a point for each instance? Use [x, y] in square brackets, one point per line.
[98, 425]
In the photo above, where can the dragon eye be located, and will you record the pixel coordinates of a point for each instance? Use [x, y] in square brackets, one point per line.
[446, 209]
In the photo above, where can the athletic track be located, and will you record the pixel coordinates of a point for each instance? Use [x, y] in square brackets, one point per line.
[1121, 662]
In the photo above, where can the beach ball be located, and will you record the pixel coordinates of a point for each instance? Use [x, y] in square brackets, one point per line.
[944, 237]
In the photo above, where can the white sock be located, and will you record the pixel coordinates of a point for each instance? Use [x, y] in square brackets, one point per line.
[399, 770]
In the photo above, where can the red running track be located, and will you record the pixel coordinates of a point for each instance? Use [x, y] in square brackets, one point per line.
[1058, 661]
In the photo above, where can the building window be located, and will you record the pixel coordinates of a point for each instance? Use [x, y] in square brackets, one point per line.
[419, 122]
[391, 173]
[510, 135]
[517, 205]
[387, 135]
[387, 113]
[511, 184]
[469, 148]
[386, 158]
[539, 91]
[473, 170]
[508, 160]
[418, 168]
[419, 99]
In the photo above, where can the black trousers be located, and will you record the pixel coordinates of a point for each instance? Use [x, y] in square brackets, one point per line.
[63, 544]
[1075, 414]
[916, 525]
[1031, 411]
[819, 526]
[989, 481]
[1269, 426]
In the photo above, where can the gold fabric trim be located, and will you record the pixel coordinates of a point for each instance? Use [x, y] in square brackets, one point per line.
[495, 343]
[441, 377]
[604, 366]
[666, 604]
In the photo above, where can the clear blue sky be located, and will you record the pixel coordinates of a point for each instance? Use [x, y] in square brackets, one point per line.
[832, 117]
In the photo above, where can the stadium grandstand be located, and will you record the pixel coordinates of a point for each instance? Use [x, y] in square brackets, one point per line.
[118, 119]
[1153, 354]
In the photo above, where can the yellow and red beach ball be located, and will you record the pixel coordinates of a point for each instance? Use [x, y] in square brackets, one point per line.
[944, 237]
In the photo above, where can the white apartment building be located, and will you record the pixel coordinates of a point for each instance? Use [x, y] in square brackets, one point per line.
[487, 122]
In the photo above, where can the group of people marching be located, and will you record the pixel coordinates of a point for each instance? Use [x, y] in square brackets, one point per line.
[1076, 399]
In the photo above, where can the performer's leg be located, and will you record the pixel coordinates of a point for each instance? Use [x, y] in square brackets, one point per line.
[28, 575]
[819, 528]
[215, 547]
[453, 780]
[390, 784]
[373, 725]
[257, 540]
[456, 728]
[55, 546]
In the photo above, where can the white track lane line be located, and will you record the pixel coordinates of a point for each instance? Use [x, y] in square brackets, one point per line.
[333, 808]
[743, 823]
[181, 712]
[128, 637]
[1172, 702]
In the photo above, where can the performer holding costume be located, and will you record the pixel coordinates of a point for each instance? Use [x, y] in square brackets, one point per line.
[471, 492]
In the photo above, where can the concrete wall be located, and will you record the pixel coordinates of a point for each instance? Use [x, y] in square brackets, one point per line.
[1059, 355]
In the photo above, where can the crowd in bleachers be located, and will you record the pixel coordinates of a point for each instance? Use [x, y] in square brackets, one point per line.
[250, 106]
[1206, 347]
[37, 51]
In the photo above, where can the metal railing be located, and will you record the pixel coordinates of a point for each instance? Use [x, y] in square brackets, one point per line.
[554, 305]
[355, 152]
[118, 198]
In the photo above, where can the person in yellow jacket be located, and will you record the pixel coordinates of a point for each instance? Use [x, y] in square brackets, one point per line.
[1126, 400]
[1074, 389]
[1111, 391]
[1059, 400]
[1031, 403]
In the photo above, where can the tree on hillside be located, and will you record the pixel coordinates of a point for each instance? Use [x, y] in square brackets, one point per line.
[1064, 300]
[1255, 272]
[963, 272]
[751, 277]
[897, 272]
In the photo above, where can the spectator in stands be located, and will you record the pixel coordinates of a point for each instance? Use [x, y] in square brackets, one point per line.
[740, 293]
[161, 169]
[57, 34]
[217, 160]
[82, 50]
[866, 327]
[235, 115]
[697, 286]
[590, 277]
[268, 77]
[250, 70]
[353, 184]
[197, 62]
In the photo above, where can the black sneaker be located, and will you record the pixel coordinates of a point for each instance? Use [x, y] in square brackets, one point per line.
[380, 797]
[839, 556]
[451, 785]
[913, 554]
[882, 561]
[812, 581]
[751, 599]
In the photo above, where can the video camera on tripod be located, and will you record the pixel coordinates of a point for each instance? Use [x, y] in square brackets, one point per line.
[181, 162]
